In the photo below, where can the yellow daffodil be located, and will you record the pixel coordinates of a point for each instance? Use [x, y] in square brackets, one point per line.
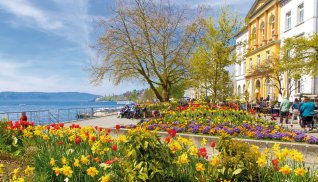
[214, 161]
[29, 171]
[276, 147]
[203, 142]
[266, 152]
[76, 163]
[92, 171]
[67, 171]
[45, 137]
[52, 162]
[105, 178]
[285, 152]
[57, 171]
[64, 161]
[1, 168]
[183, 159]
[254, 148]
[193, 151]
[300, 172]
[261, 161]
[285, 170]
[84, 160]
[199, 167]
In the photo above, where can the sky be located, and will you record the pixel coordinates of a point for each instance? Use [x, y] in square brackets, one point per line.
[45, 44]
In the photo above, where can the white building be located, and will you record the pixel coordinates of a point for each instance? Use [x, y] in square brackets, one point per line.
[299, 18]
[240, 67]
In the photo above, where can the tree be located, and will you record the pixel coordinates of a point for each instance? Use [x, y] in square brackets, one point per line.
[213, 56]
[300, 54]
[277, 73]
[147, 40]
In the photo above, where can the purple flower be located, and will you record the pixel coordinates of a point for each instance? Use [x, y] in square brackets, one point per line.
[206, 130]
[312, 140]
[277, 136]
[300, 137]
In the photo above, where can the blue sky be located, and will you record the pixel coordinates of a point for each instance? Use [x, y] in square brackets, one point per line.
[44, 44]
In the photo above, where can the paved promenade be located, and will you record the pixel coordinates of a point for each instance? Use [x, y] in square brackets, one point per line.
[112, 120]
[105, 122]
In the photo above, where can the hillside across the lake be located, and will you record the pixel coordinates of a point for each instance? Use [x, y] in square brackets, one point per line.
[54, 96]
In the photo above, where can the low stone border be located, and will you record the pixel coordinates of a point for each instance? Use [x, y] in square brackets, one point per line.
[309, 151]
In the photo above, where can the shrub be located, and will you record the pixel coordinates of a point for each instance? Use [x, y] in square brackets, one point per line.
[147, 159]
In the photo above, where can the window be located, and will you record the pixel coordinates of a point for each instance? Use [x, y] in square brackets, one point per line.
[272, 25]
[251, 65]
[262, 31]
[239, 69]
[267, 57]
[258, 60]
[300, 13]
[244, 67]
[288, 21]
[239, 90]
[254, 36]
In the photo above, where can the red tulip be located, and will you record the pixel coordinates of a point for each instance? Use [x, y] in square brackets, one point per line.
[168, 140]
[212, 144]
[78, 140]
[117, 127]
[114, 147]
[172, 133]
[93, 138]
[203, 153]
[60, 143]
[61, 125]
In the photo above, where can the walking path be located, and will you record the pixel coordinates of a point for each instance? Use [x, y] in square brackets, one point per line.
[105, 122]
[112, 120]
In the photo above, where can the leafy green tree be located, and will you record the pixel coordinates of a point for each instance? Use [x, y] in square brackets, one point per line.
[300, 55]
[283, 78]
[147, 40]
[213, 56]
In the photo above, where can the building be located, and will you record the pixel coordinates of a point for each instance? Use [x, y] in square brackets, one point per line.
[299, 18]
[241, 41]
[263, 42]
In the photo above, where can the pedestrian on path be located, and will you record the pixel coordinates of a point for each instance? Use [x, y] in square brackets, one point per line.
[284, 110]
[307, 110]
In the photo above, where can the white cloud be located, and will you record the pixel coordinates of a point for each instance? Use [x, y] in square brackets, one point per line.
[26, 11]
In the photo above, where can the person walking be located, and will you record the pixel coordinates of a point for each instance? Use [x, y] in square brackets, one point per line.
[295, 110]
[307, 110]
[284, 110]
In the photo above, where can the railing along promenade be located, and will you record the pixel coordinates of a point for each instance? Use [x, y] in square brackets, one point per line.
[59, 115]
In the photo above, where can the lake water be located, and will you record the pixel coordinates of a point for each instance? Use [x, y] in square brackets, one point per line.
[48, 111]
[19, 106]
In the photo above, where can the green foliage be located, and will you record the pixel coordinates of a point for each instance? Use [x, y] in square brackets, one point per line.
[146, 158]
[238, 160]
[10, 141]
[208, 64]
[301, 55]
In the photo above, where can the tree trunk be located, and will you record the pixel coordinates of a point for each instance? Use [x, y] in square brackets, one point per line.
[165, 93]
[155, 91]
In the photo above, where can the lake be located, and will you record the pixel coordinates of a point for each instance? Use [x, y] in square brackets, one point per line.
[48, 111]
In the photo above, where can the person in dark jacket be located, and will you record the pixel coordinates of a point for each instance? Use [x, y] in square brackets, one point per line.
[307, 110]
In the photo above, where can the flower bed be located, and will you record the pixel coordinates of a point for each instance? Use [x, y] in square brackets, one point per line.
[92, 154]
[202, 119]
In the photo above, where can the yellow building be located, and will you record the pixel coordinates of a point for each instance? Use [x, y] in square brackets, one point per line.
[263, 28]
